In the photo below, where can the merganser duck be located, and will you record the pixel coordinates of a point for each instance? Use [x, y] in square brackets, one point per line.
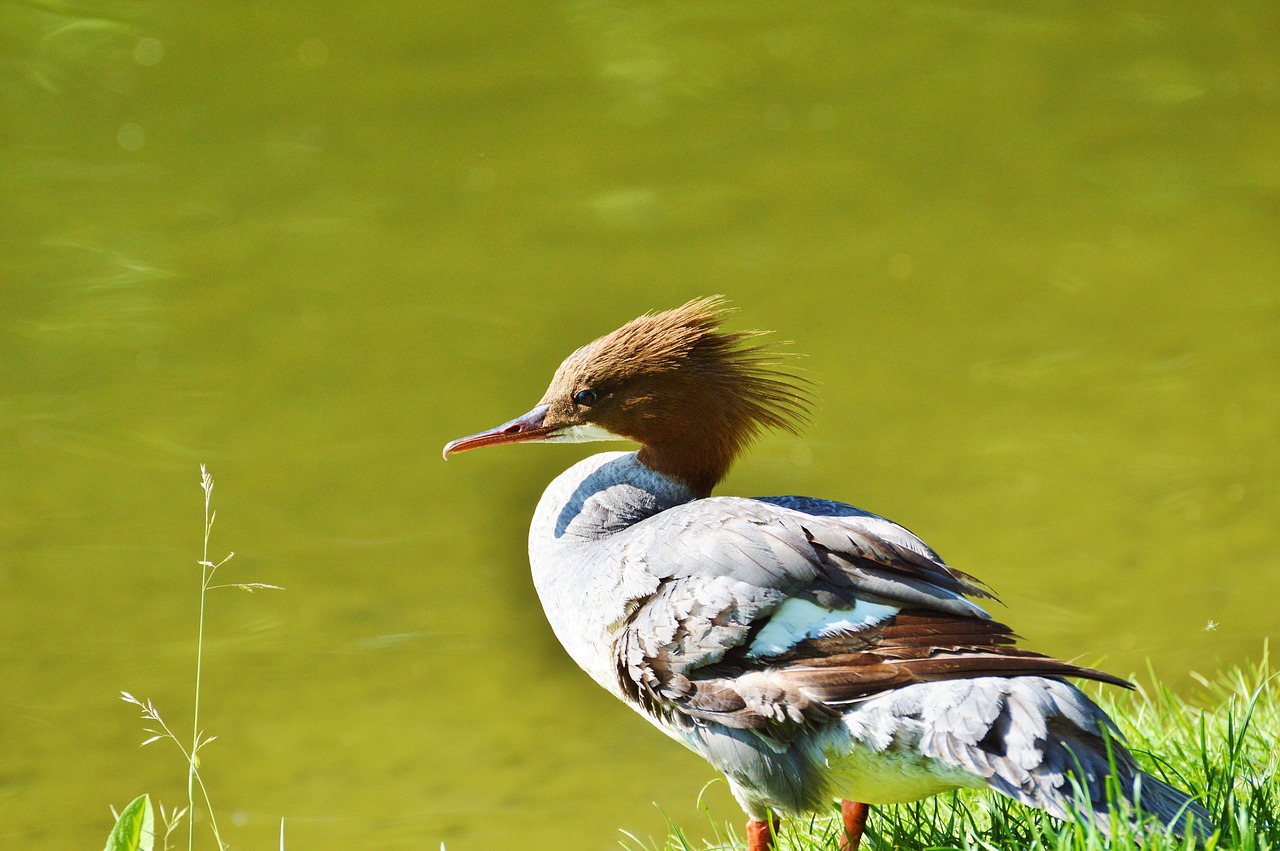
[811, 651]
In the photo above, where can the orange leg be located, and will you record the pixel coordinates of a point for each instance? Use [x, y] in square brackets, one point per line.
[854, 816]
[760, 833]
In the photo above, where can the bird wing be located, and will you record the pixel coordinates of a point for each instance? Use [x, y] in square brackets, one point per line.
[772, 614]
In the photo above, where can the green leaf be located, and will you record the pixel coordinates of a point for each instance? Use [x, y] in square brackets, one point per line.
[135, 830]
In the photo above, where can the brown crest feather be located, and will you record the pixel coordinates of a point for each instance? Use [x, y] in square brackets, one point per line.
[692, 394]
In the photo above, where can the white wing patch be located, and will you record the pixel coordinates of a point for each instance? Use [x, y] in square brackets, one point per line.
[796, 620]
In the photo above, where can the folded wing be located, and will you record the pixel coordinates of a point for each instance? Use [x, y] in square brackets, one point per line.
[773, 614]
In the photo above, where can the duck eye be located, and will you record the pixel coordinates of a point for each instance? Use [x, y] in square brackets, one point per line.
[585, 398]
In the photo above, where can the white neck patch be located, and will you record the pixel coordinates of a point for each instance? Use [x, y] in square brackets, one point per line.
[581, 434]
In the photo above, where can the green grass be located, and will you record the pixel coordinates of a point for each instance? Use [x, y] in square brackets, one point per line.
[134, 829]
[1222, 743]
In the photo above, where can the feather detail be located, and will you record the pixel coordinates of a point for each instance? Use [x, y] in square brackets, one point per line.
[817, 677]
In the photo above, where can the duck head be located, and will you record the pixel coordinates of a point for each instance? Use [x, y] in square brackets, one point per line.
[694, 396]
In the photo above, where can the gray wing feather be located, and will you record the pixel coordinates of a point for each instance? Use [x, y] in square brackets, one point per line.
[701, 577]
[1035, 740]
[700, 580]
[770, 545]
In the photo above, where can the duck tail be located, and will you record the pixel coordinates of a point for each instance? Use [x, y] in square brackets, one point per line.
[1102, 777]
[1174, 808]
[1044, 743]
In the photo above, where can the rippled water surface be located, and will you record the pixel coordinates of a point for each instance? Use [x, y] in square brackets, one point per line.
[1032, 256]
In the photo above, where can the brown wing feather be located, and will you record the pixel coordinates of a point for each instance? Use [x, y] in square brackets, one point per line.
[810, 683]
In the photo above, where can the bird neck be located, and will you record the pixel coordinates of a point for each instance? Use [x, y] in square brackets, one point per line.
[698, 463]
[599, 497]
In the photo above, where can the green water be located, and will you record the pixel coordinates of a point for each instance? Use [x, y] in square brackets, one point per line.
[1032, 255]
